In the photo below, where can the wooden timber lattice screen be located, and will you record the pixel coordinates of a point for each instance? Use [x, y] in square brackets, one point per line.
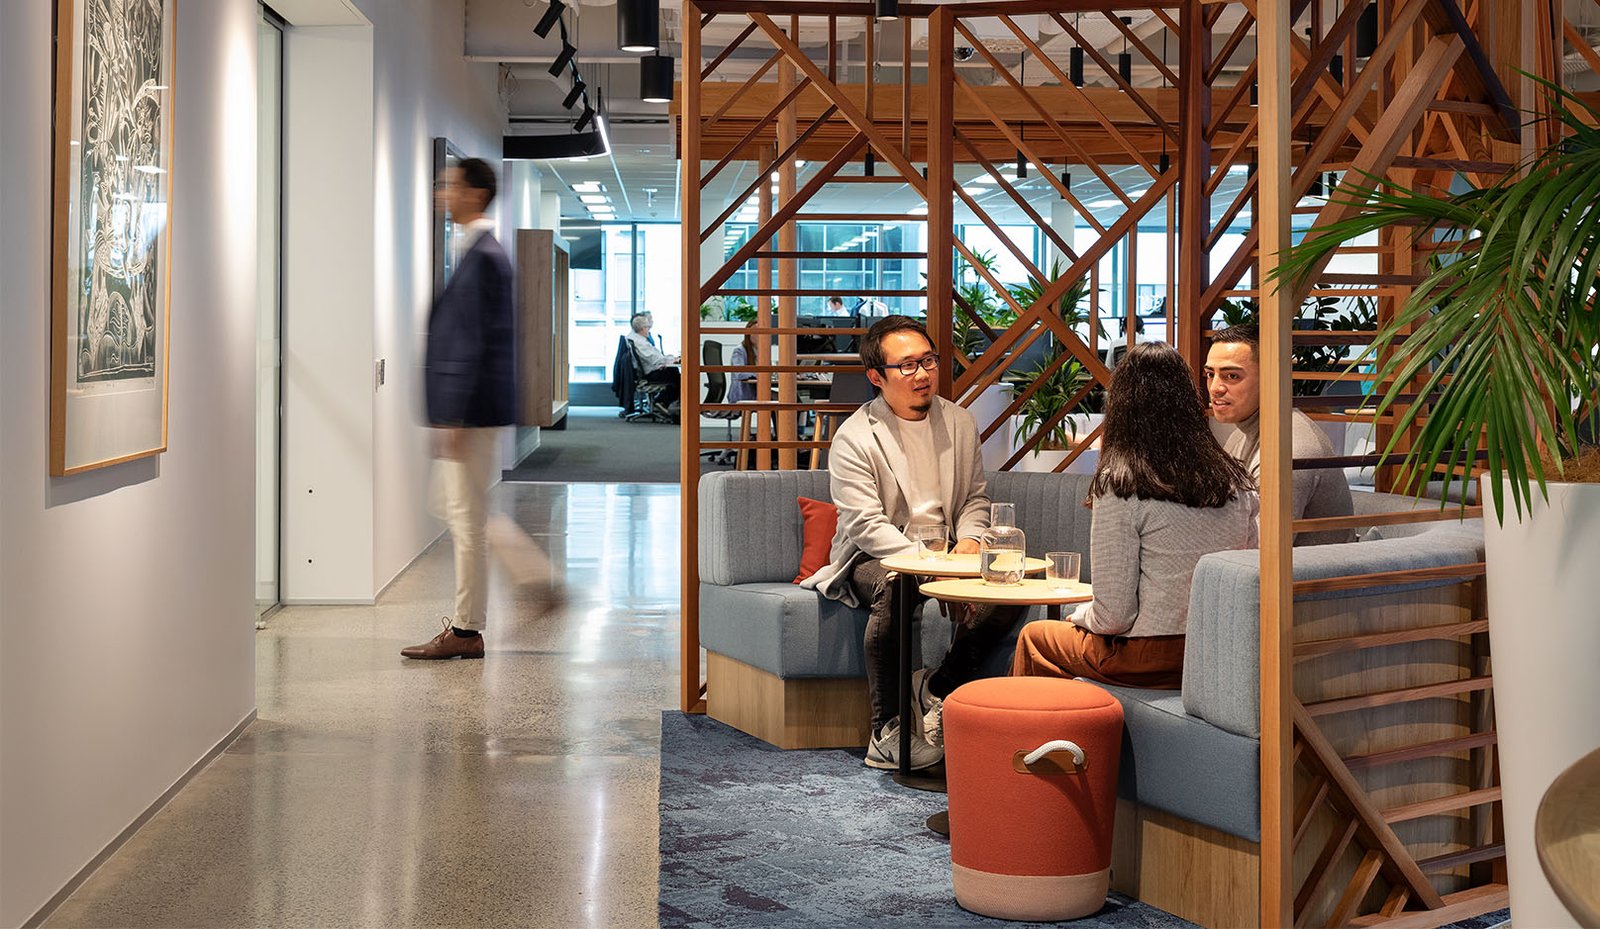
[1435, 100]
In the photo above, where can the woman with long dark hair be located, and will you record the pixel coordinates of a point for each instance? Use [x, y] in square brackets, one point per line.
[1164, 494]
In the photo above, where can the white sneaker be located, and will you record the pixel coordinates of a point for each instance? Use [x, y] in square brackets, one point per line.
[884, 750]
[930, 709]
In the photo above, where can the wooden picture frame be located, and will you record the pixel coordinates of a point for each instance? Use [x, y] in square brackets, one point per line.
[111, 232]
[445, 228]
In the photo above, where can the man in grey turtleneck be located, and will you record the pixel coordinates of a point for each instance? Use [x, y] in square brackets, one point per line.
[1233, 384]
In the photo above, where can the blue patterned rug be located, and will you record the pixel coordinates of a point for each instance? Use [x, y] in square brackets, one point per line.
[753, 837]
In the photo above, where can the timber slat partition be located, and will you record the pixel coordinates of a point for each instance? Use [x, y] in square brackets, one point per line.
[1425, 106]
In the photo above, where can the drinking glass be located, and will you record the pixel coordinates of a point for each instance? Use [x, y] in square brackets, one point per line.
[932, 541]
[1062, 570]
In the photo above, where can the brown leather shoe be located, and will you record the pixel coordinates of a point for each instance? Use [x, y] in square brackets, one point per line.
[446, 645]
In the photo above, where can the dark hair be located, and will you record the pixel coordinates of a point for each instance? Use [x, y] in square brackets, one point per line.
[838, 300]
[872, 343]
[1239, 335]
[1157, 444]
[476, 173]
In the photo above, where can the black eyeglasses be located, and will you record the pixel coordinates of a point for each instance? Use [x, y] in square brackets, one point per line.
[908, 368]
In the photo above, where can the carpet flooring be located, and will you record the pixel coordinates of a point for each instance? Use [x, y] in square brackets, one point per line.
[598, 447]
[753, 837]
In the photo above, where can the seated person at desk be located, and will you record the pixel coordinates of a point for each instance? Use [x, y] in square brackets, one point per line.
[1164, 493]
[836, 307]
[1233, 384]
[907, 458]
[658, 368]
[742, 384]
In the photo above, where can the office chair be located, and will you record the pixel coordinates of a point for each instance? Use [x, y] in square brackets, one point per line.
[716, 392]
[849, 386]
[646, 394]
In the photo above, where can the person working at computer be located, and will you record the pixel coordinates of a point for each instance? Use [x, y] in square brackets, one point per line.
[658, 367]
[907, 459]
[836, 307]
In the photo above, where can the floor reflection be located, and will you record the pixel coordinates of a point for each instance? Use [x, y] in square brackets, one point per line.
[519, 790]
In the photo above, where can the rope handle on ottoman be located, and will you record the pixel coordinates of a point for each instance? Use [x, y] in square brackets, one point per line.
[1059, 756]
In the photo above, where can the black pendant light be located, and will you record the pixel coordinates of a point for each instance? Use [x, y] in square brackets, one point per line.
[1066, 179]
[1125, 60]
[638, 25]
[655, 79]
[1022, 165]
[1165, 164]
[1367, 32]
[867, 164]
[1075, 61]
[1336, 68]
[888, 9]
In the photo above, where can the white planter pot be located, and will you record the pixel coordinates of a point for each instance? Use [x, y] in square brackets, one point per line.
[1544, 639]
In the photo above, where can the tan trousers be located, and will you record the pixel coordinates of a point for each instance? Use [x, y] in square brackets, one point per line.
[461, 498]
[1063, 649]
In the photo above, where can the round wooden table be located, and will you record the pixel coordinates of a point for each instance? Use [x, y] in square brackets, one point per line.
[907, 568]
[1566, 832]
[1031, 592]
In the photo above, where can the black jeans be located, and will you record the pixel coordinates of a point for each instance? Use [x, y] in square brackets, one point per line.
[671, 376]
[972, 641]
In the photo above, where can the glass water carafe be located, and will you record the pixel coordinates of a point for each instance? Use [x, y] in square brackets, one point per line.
[1004, 547]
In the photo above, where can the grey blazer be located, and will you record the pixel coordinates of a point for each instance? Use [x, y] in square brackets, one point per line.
[866, 466]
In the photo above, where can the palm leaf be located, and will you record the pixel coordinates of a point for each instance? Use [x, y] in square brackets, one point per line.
[1502, 336]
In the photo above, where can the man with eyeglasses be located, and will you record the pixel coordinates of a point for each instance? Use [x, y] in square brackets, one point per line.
[906, 459]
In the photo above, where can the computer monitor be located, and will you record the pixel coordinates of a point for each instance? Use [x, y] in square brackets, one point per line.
[824, 344]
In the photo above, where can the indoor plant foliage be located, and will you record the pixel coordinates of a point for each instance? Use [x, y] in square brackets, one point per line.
[1058, 389]
[1502, 333]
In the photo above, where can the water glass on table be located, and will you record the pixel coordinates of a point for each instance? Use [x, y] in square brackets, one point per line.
[932, 541]
[1061, 570]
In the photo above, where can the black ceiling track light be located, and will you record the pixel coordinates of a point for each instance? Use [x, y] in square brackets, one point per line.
[1367, 31]
[563, 58]
[548, 21]
[578, 87]
[887, 9]
[655, 78]
[638, 25]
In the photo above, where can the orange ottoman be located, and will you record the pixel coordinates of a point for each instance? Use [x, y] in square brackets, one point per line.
[1031, 841]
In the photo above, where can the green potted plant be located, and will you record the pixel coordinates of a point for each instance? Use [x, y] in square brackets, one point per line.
[1502, 336]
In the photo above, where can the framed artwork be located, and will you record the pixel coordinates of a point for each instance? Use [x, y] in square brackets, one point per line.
[445, 229]
[111, 245]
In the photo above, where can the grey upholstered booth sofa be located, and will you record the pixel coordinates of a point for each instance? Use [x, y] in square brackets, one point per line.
[786, 665]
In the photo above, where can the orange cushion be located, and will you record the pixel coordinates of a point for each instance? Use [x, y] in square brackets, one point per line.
[819, 519]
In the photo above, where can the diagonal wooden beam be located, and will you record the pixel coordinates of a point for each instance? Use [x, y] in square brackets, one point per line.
[1240, 33]
[1478, 77]
[744, 88]
[761, 176]
[1116, 77]
[733, 46]
[1017, 198]
[1354, 797]
[784, 214]
[1081, 98]
[757, 129]
[881, 142]
[1144, 49]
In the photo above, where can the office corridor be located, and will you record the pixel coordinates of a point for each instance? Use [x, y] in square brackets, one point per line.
[372, 791]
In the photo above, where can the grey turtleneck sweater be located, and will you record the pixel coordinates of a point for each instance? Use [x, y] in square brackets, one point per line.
[1323, 492]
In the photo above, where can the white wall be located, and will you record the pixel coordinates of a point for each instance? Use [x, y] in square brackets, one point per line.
[125, 593]
[357, 462]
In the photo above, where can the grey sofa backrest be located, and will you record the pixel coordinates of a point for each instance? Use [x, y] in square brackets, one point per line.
[1221, 664]
[750, 520]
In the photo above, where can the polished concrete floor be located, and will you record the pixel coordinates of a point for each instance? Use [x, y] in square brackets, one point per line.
[519, 790]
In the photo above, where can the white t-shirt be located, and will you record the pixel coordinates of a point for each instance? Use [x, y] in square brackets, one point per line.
[922, 483]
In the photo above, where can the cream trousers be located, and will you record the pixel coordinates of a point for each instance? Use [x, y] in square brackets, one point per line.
[460, 497]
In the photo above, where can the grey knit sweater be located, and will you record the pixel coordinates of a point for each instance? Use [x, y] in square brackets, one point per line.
[1318, 493]
[1144, 553]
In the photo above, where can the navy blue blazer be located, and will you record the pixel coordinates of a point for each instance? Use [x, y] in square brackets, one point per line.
[470, 372]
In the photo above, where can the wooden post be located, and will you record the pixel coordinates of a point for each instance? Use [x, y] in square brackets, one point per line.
[1194, 204]
[1277, 565]
[689, 448]
[788, 268]
[941, 186]
[766, 426]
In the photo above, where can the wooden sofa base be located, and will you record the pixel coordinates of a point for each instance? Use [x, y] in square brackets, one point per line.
[804, 712]
[1192, 871]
